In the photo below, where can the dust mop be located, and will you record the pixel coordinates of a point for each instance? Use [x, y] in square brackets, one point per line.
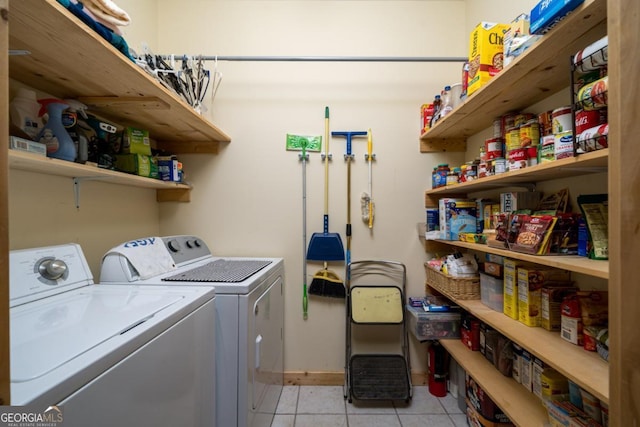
[326, 246]
[365, 200]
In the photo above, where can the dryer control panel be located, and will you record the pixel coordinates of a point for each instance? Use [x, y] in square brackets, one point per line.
[185, 249]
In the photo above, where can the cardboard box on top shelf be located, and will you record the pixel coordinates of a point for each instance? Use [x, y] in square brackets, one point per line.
[486, 54]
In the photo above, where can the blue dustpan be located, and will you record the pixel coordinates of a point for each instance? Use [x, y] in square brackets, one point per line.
[325, 246]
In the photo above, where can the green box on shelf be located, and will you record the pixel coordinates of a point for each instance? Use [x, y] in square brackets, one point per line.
[138, 164]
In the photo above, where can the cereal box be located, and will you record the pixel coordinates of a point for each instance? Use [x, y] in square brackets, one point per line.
[530, 283]
[510, 303]
[485, 54]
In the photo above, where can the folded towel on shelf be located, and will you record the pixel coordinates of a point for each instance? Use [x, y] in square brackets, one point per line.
[109, 25]
[109, 11]
[116, 40]
[148, 256]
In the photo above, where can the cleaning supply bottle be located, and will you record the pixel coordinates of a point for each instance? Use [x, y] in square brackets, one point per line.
[447, 102]
[71, 122]
[23, 110]
[54, 135]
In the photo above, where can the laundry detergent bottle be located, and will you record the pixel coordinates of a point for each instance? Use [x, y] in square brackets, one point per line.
[23, 110]
[54, 135]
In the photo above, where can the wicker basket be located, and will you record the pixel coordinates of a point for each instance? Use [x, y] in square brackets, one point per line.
[462, 288]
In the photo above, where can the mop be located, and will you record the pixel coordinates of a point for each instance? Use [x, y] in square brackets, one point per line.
[305, 144]
[365, 200]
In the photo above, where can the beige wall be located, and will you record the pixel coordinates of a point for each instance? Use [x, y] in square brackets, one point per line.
[247, 200]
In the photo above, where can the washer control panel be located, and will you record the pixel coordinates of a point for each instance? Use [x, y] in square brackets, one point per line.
[40, 272]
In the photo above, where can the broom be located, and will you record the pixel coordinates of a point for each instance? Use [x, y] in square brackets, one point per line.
[325, 282]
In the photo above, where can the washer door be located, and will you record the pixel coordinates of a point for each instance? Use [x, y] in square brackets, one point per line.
[266, 361]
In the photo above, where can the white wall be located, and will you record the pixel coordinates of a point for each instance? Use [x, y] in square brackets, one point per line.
[247, 200]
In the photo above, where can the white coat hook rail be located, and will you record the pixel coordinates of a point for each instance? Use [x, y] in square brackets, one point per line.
[330, 58]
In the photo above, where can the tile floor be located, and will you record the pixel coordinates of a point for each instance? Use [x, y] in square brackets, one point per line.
[325, 406]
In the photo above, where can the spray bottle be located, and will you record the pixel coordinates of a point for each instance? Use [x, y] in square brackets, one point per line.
[72, 121]
[53, 134]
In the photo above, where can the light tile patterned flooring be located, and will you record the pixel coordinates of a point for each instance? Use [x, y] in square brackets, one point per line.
[325, 406]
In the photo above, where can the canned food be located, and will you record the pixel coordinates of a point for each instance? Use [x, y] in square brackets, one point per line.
[586, 119]
[497, 128]
[508, 121]
[545, 121]
[523, 118]
[594, 95]
[499, 165]
[529, 133]
[532, 155]
[517, 159]
[561, 120]
[563, 145]
[513, 138]
[493, 148]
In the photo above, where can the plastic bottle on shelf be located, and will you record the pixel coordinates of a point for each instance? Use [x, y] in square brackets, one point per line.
[437, 102]
[447, 102]
[23, 110]
[76, 132]
[54, 135]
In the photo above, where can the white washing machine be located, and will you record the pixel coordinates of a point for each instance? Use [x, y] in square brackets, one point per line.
[108, 355]
[249, 321]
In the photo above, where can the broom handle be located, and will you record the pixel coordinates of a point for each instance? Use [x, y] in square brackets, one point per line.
[326, 170]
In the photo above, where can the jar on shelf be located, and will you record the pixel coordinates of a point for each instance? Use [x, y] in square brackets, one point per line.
[452, 177]
[441, 174]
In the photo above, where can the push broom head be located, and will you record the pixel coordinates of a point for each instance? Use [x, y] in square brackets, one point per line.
[326, 283]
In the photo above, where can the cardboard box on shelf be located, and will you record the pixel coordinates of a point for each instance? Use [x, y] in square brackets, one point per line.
[530, 283]
[485, 54]
[138, 164]
[136, 141]
[519, 200]
[456, 216]
[550, 300]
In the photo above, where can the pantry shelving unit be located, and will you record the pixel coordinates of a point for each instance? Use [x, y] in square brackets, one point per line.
[538, 73]
[520, 405]
[63, 57]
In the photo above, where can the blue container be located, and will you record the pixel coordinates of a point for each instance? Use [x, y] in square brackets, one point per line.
[548, 13]
[55, 136]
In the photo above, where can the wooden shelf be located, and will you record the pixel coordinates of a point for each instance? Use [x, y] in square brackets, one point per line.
[69, 60]
[169, 191]
[584, 164]
[536, 74]
[520, 405]
[578, 264]
[585, 368]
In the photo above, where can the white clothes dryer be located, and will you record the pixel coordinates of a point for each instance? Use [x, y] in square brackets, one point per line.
[249, 321]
